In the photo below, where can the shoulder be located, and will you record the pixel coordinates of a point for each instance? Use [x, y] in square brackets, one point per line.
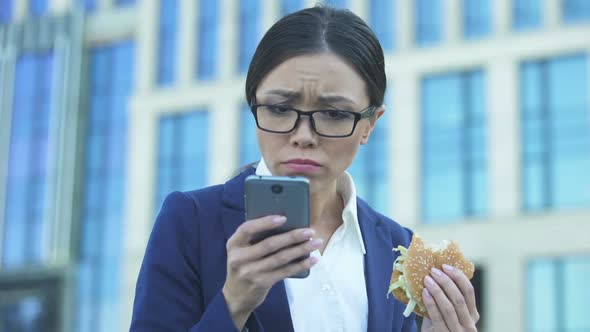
[399, 234]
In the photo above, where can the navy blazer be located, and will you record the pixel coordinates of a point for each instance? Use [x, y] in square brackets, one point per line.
[184, 268]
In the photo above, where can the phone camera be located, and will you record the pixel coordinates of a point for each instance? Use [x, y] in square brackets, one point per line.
[276, 188]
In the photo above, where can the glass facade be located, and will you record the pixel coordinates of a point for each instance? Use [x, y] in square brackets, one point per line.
[428, 22]
[336, 3]
[183, 150]
[167, 33]
[249, 32]
[38, 7]
[88, 5]
[477, 20]
[382, 21]
[454, 147]
[575, 11]
[208, 35]
[111, 82]
[371, 166]
[249, 152]
[527, 14]
[557, 298]
[289, 6]
[555, 118]
[26, 225]
[6, 9]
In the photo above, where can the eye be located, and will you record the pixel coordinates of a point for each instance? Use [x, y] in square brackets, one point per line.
[338, 115]
[278, 109]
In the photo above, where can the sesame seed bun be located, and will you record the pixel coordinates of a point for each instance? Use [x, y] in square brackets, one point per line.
[417, 264]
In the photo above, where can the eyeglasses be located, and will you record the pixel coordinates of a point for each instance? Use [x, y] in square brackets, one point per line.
[327, 123]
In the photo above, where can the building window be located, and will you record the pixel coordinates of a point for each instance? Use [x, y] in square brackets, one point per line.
[290, 6]
[38, 7]
[168, 25]
[575, 11]
[477, 21]
[6, 8]
[208, 39]
[454, 147]
[249, 34]
[555, 132]
[428, 20]
[382, 22]
[111, 76]
[88, 5]
[527, 14]
[336, 3]
[371, 166]
[127, 2]
[558, 293]
[249, 152]
[29, 169]
[183, 152]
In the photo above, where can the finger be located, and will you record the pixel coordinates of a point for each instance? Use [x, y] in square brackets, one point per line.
[288, 270]
[466, 289]
[250, 228]
[287, 255]
[437, 321]
[277, 242]
[455, 297]
[444, 305]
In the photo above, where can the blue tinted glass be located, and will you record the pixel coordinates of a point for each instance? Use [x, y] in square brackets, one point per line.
[248, 143]
[208, 37]
[454, 140]
[555, 132]
[428, 21]
[576, 293]
[88, 5]
[6, 8]
[542, 297]
[527, 14]
[127, 2]
[337, 3]
[183, 153]
[382, 22]
[38, 7]
[28, 156]
[476, 18]
[576, 11]
[249, 35]
[111, 77]
[289, 6]
[168, 25]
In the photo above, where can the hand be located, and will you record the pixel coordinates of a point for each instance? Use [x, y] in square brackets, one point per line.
[450, 301]
[252, 269]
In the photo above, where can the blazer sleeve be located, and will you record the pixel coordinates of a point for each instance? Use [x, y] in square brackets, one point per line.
[168, 294]
[409, 324]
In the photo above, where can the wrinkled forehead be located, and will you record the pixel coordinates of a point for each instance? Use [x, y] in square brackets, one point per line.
[314, 79]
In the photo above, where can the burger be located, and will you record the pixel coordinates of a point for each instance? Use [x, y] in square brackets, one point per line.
[414, 263]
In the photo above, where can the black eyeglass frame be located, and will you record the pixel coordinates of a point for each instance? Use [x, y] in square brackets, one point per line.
[358, 116]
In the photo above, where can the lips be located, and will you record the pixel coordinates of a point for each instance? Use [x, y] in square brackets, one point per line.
[302, 162]
[302, 166]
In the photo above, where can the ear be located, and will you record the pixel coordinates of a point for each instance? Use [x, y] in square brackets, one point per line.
[369, 129]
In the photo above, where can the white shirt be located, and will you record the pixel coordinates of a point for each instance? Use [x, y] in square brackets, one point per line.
[333, 298]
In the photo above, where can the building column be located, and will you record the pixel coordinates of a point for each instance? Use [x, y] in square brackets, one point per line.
[503, 138]
[146, 55]
[187, 41]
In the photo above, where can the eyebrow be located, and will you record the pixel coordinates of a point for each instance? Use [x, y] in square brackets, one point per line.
[327, 99]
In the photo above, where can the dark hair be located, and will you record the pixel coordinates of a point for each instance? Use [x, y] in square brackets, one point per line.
[315, 30]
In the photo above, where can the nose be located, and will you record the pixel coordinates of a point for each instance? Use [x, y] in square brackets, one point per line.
[303, 135]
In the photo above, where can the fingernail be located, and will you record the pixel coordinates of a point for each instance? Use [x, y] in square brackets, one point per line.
[448, 268]
[279, 220]
[429, 281]
[437, 272]
[316, 243]
[313, 260]
[308, 233]
[427, 293]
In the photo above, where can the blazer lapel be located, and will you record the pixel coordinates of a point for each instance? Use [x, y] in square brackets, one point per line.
[273, 313]
[378, 266]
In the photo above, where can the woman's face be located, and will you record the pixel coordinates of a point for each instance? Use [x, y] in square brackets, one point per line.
[313, 82]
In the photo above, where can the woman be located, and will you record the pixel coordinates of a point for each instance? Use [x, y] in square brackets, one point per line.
[200, 272]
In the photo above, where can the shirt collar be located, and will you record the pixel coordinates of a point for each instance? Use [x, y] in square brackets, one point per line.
[347, 190]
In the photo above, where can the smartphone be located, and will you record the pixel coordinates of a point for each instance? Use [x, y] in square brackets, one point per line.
[278, 195]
